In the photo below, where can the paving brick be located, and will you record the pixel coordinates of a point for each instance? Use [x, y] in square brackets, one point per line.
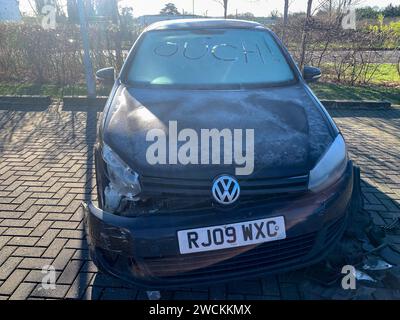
[80, 288]
[59, 216]
[66, 200]
[3, 230]
[9, 214]
[36, 276]
[58, 293]
[55, 248]
[34, 252]
[29, 209]
[18, 231]
[23, 241]
[81, 254]
[4, 240]
[13, 281]
[70, 272]
[41, 228]
[6, 252]
[6, 200]
[76, 244]
[51, 208]
[48, 237]
[63, 258]
[22, 198]
[71, 234]
[73, 206]
[13, 222]
[23, 291]
[46, 202]
[65, 225]
[8, 267]
[34, 263]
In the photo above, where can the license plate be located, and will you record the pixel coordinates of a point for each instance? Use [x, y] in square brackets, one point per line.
[231, 235]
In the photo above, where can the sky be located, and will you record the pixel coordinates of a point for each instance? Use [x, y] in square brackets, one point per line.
[213, 8]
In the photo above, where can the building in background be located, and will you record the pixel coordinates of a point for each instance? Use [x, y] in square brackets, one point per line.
[146, 20]
[9, 10]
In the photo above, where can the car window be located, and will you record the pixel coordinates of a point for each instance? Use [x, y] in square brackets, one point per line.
[211, 58]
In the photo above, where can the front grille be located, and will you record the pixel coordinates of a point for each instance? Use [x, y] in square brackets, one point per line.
[195, 194]
[202, 187]
[265, 256]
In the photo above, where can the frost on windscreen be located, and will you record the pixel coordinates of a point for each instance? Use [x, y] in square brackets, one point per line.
[228, 57]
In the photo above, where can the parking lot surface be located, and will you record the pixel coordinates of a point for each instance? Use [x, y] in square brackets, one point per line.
[47, 171]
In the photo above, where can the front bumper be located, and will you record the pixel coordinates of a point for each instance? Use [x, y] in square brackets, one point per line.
[144, 250]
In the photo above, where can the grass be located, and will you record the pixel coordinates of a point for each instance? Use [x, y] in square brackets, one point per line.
[329, 91]
[379, 74]
[332, 91]
[54, 91]
[386, 72]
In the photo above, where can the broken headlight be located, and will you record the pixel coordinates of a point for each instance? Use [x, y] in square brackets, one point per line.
[330, 167]
[124, 182]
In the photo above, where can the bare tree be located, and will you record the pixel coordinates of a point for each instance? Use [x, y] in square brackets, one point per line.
[305, 33]
[336, 7]
[285, 19]
[224, 4]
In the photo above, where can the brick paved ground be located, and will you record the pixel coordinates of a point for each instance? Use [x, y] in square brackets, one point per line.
[46, 171]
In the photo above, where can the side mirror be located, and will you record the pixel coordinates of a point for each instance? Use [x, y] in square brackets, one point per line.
[311, 74]
[106, 76]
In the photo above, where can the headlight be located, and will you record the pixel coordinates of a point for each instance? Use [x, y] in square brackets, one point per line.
[330, 167]
[123, 180]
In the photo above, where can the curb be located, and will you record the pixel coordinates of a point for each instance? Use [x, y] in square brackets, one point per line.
[353, 104]
[84, 101]
[25, 100]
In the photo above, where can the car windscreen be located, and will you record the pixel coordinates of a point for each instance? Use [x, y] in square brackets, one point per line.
[209, 58]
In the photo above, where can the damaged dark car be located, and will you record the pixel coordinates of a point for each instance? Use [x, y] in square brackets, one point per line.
[214, 160]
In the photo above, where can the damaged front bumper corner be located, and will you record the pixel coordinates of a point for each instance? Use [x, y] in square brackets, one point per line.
[106, 230]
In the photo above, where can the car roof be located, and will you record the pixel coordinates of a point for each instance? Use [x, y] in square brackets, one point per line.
[187, 24]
